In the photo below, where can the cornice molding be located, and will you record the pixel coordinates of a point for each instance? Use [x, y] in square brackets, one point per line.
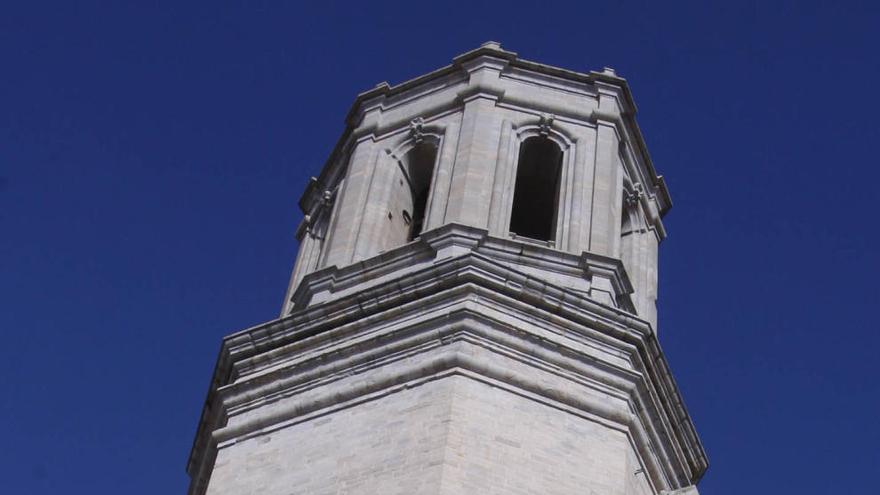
[468, 240]
[648, 412]
[470, 268]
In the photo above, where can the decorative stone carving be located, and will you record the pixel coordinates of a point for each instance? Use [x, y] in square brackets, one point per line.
[545, 124]
[416, 130]
[633, 197]
[327, 198]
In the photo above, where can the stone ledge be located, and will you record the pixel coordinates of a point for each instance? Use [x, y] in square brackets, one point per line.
[602, 278]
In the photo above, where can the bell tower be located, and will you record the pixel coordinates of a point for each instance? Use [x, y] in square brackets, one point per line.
[472, 307]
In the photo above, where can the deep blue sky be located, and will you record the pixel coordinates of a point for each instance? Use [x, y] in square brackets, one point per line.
[151, 159]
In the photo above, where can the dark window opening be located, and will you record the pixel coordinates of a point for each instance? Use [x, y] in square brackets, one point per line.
[420, 169]
[536, 193]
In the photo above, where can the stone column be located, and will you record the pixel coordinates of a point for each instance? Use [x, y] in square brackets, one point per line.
[605, 217]
[443, 177]
[502, 186]
[343, 234]
[581, 193]
[475, 161]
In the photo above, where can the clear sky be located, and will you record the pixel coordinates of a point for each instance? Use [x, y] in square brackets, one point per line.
[151, 159]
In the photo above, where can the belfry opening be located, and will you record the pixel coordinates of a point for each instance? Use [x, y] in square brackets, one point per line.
[537, 189]
[419, 170]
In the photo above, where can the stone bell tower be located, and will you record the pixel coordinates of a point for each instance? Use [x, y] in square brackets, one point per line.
[472, 308]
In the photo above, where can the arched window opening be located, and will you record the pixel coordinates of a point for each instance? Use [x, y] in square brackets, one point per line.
[419, 170]
[536, 193]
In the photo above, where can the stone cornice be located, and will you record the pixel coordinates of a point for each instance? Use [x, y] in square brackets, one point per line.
[436, 276]
[256, 388]
[663, 417]
[454, 239]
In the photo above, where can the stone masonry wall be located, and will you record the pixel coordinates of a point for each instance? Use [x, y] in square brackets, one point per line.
[450, 436]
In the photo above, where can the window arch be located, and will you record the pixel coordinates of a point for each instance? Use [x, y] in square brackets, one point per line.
[536, 190]
[419, 167]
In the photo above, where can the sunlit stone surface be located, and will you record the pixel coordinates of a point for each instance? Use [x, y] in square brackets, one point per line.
[456, 323]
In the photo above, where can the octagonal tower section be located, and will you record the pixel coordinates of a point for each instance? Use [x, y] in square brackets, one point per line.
[528, 152]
